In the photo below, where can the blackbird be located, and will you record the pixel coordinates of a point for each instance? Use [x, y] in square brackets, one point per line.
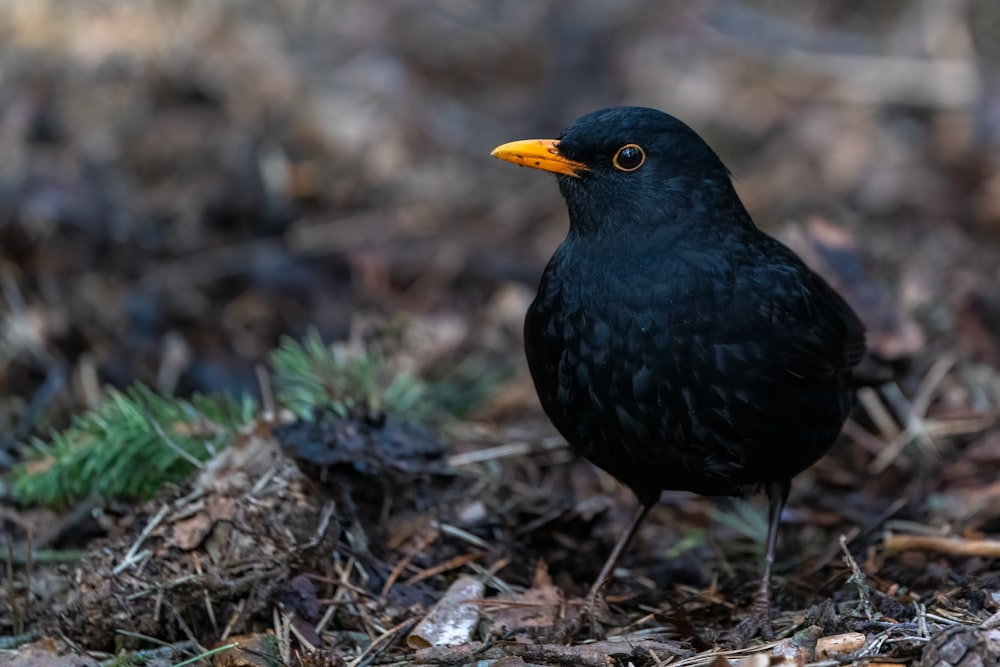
[673, 343]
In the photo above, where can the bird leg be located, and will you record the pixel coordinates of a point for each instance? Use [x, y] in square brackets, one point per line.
[571, 625]
[760, 615]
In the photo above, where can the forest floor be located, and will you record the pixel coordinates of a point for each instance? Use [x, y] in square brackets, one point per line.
[184, 183]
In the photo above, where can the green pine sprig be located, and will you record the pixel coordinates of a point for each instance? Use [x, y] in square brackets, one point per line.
[136, 441]
[127, 448]
[310, 374]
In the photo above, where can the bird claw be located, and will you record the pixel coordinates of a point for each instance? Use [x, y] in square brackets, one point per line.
[758, 620]
[566, 629]
[740, 635]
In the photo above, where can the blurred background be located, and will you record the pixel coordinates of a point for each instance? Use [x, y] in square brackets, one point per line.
[183, 182]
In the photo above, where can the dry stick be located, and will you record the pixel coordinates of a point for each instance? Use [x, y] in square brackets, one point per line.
[929, 386]
[345, 591]
[208, 599]
[266, 392]
[384, 638]
[185, 628]
[157, 607]
[968, 426]
[507, 450]
[174, 447]
[282, 635]
[858, 578]
[327, 615]
[878, 413]
[922, 620]
[130, 557]
[489, 575]
[450, 564]
[425, 541]
[948, 545]
[914, 414]
[626, 631]
[302, 640]
[992, 622]
[946, 620]
[656, 658]
[874, 646]
[326, 515]
[72, 644]
[465, 536]
[871, 443]
[233, 619]
[339, 582]
[262, 483]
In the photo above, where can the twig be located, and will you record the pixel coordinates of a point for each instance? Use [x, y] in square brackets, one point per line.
[267, 401]
[913, 414]
[185, 628]
[928, 387]
[954, 546]
[174, 447]
[992, 622]
[922, 619]
[377, 644]
[282, 634]
[463, 535]
[489, 574]
[131, 557]
[506, 451]
[425, 541]
[872, 443]
[858, 577]
[329, 509]
[209, 607]
[450, 564]
[886, 425]
[943, 619]
[264, 480]
[302, 640]
[233, 619]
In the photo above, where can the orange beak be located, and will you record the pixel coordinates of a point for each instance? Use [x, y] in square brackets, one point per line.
[539, 154]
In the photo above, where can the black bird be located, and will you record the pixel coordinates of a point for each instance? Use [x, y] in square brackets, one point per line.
[672, 342]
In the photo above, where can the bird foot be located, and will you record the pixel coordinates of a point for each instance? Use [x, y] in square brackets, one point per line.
[758, 620]
[566, 629]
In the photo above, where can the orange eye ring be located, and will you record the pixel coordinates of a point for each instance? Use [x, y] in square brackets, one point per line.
[629, 157]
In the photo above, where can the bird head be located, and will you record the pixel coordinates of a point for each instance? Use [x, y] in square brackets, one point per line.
[631, 167]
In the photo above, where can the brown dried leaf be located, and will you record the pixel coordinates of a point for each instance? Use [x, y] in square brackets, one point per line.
[537, 607]
[189, 533]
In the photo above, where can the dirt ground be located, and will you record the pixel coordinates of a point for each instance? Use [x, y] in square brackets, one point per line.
[183, 183]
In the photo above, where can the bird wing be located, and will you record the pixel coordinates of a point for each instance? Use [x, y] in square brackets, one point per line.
[816, 333]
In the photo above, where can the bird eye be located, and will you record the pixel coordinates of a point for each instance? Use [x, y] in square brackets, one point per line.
[629, 157]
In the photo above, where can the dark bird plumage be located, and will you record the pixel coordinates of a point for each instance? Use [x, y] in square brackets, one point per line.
[671, 342]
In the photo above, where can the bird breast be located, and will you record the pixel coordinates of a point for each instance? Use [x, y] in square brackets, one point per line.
[649, 375]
